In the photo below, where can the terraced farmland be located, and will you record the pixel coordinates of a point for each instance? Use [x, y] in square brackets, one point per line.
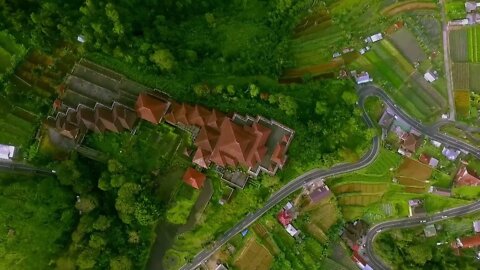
[461, 76]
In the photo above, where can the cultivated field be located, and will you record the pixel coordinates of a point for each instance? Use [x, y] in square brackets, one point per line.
[458, 45]
[474, 44]
[358, 199]
[474, 77]
[462, 102]
[461, 76]
[411, 168]
[406, 42]
[254, 257]
[404, 6]
[360, 187]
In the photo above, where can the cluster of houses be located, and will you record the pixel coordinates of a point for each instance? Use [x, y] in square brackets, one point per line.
[472, 17]
[354, 235]
[315, 192]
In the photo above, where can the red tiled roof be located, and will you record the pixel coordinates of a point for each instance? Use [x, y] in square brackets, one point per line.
[471, 241]
[194, 178]
[104, 119]
[424, 158]
[284, 218]
[125, 116]
[151, 108]
[221, 140]
[86, 117]
[466, 178]
[410, 142]
[278, 155]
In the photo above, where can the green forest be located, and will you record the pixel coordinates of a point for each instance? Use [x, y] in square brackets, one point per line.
[226, 55]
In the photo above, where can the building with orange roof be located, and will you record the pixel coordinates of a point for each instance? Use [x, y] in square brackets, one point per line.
[151, 108]
[467, 242]
[194, 178]
[232, 141]
[465, 177]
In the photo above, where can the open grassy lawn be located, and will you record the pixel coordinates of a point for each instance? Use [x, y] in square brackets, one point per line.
[469, 193]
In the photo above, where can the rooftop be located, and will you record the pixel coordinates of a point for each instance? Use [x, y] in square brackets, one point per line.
[194, 178]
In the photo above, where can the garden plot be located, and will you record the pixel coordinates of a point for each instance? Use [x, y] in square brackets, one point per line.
[360, 187]
[406, 42]
[461, 76]
[462, 102]
[474, 77]
[458, 45]
[358, 199]
[254, 257]
[403, 6]
[474, 44]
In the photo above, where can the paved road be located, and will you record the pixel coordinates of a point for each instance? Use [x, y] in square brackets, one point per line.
[446, 59]
[430, 131]
[297, 183]
[376, 263]
[288, 189]
[20, 167]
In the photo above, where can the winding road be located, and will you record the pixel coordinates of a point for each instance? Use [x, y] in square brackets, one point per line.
[369, 157]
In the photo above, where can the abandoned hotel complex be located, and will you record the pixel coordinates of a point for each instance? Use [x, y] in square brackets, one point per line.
[237, 146]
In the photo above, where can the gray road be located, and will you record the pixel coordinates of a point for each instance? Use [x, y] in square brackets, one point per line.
[369, 157]
[446, 59]
[10, 166]
[376, 263]
[288, 189]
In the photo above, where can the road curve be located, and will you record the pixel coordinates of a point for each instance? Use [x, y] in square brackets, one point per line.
[287, 190]
[376, 263]
[297, 183]
[430, 131]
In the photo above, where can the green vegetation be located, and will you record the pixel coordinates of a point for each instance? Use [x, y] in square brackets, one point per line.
[37, 216]
[455, 9]
[421, 252]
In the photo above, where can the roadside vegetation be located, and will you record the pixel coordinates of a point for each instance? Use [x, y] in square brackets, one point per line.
[433, 252]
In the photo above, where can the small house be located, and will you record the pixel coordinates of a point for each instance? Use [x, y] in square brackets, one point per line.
[430, 76]
[416, 208]
[450, 154]
[430, 230]
[291, 230]
[6, 151]
[362, 77]
[374, 38]
[476, 226]
[194, 178]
